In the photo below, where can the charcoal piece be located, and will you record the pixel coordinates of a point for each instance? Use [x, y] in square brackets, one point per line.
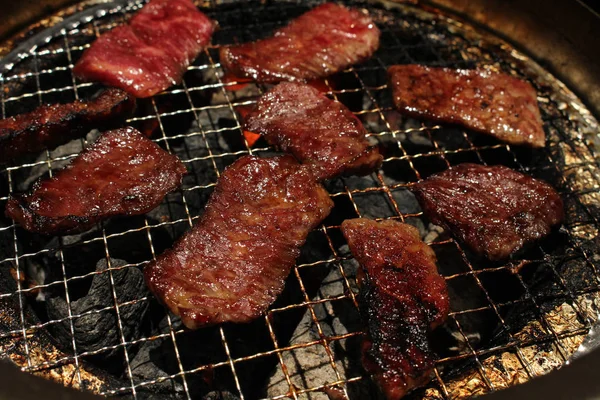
[310, 366]
[92, 378]
[97, 330]
[146, 366]
[220, 395]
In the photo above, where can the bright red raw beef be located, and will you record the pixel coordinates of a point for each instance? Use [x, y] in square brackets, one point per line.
[152, 52]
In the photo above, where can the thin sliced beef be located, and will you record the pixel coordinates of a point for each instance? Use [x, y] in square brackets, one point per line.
[318, 131]
[122, 173]
[402, 298]
[152, 52]
[494, 210]
[49, 126]
[493, 103]
[321, 42]
[233, 263]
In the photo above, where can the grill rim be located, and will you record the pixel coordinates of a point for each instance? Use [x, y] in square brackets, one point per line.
[568, 93]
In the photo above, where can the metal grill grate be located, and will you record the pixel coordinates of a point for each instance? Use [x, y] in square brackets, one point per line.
[504, 327]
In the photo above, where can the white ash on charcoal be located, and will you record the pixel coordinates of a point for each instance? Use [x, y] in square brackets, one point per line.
[94, 329]
[156, 360]
[310, 366]
[13, 348]
[148, 364]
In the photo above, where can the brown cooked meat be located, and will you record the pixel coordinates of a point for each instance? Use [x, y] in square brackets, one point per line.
[318, 131]
[233, 263]
[49, 126]
[494, 210]
[319, 43]
[121, 173]
[402, 298]
[493, 103]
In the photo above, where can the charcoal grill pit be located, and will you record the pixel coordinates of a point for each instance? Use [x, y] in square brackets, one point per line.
[505, 326]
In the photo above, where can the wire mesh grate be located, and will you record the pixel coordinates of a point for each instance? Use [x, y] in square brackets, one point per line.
[509, 322]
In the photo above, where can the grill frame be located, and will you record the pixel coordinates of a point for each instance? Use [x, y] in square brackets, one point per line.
[585, 120]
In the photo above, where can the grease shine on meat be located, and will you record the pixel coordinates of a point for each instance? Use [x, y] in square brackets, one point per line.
[49, 126]
[321, 42]
[494, 210]
[493, 103]
[152, 52]
[318, 131]
[122, 173]
[402, 298]
[233, 263]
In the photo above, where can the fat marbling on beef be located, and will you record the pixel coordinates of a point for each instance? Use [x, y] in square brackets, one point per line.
[150, 53]
[121, 173]
[493, 103]
[493, 209]
[318, 131]
[49, 126]
[233, 263]
[402, 298]
[319, 43]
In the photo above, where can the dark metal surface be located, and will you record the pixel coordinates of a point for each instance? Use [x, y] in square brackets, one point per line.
[19, 386]
[18, 15]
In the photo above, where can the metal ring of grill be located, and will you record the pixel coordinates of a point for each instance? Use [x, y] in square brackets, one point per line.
[504, 329]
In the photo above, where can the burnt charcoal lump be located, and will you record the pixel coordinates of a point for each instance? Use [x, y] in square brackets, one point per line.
[96, 330]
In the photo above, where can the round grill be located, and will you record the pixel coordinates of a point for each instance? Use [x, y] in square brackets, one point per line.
[74, 310]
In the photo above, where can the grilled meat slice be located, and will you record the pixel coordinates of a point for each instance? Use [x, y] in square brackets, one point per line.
[233, 263]
[152, 52]
[319, 43]
[121, 173]
[49, 126]
[494, 210]
[320, 132]
[493, 103]
[402, 298]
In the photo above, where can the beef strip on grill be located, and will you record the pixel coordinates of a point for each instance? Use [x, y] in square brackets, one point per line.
[49, 126]
[402, 298]
[319, 43]
[494, 210]
[152, 52]
[318, 131]
[493, 103]
[233, 263]
[122, 173]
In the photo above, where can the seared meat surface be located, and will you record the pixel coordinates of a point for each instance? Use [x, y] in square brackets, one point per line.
[233, 263]
[494, 210]
[49, 126]
[152, 52]
[121, 173]
[493, 103]
[318, 131]
[321, 42]
[402, 298]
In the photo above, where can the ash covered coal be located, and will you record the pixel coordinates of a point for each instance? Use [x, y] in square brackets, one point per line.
[96, 329]
[14, 348]
[310, 366]
[156, 368]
